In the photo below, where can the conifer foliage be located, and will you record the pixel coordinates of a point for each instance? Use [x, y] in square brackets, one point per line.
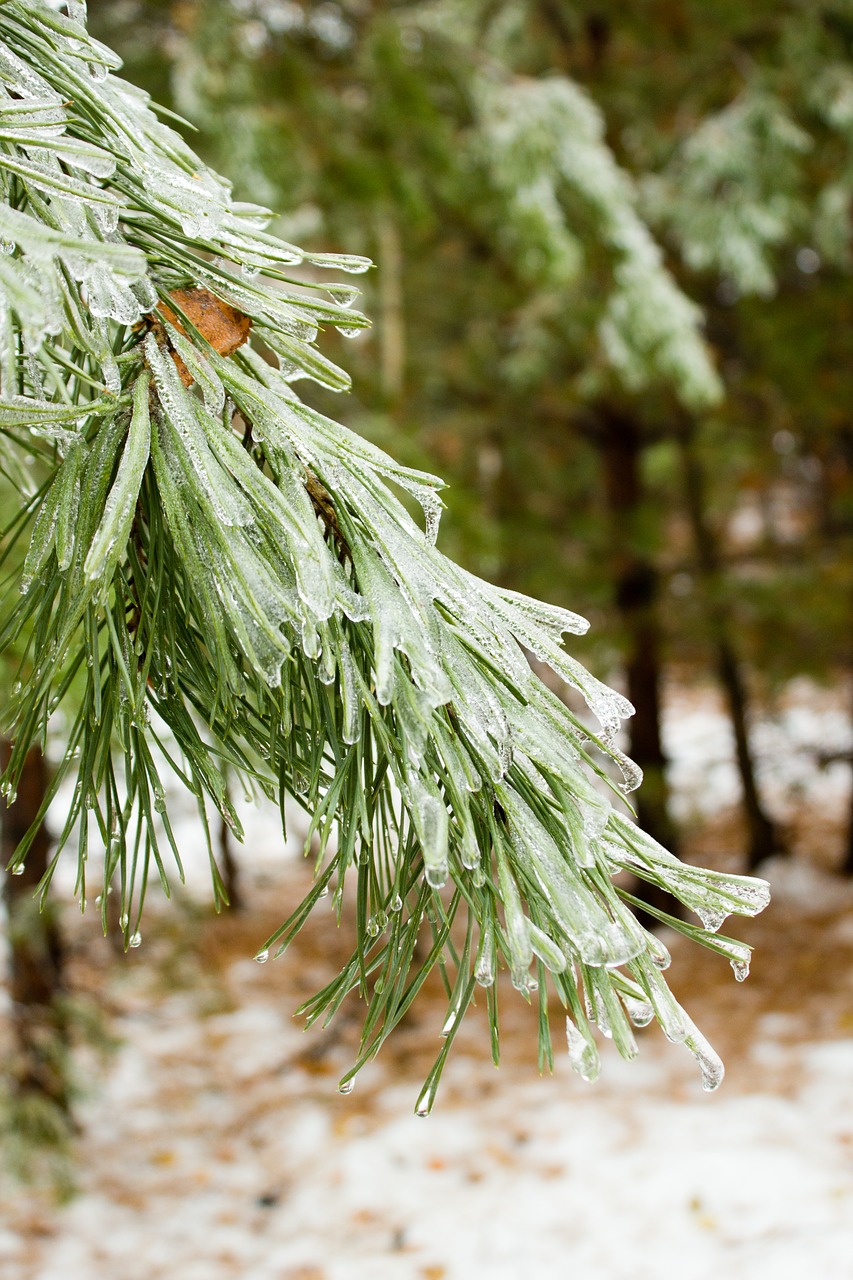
[201, 569]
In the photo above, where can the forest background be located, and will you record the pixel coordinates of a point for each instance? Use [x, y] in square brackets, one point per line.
[612, 304]
[612, 307]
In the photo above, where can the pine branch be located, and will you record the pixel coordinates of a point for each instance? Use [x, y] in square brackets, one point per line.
[220, 578]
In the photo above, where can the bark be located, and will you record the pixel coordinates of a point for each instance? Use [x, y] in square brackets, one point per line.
[636, 591]
[35, 951]
[847, 864]
[763, 838]
[636, 585]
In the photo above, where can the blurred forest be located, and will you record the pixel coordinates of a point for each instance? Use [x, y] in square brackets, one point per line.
[612, 304]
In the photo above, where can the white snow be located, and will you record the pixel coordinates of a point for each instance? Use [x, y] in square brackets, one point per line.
[215, 1145]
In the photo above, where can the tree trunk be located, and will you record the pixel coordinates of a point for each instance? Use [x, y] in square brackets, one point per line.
[762, 836]
[847, 864]
[35, 951]
[636, 592]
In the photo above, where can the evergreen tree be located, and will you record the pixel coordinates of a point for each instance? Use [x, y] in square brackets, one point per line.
[202, 570]
[729, 129]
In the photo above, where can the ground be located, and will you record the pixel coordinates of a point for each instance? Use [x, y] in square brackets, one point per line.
[214, 1144]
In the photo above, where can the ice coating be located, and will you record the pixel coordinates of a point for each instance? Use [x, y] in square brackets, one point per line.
[305, 576]
[583, 1055]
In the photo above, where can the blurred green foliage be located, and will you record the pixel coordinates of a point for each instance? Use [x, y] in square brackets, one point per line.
[364, 125]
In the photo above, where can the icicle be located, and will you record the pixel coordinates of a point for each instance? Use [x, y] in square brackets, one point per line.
[639, 1011]
[710, 1062]
[583, 1054]
[430, 817]
[546, 949]
[485, 969]
[517, 925]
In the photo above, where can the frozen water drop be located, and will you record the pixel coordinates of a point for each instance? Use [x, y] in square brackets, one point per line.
[343, 294]
[711, 920]
[135, 940]
[449, 1022]
[436, 874]
[485, 973]
[659, 953]
[263, 956]
[424, 1103]
[523, 982]
[124, 920]
[639, 1011]
[583, 1055]
[710, 1062]
[19, 870]
[741, 969]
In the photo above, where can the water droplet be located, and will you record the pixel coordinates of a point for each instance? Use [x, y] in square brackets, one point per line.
[373, 927]
[124, 920]
[324, 892]
[135, 940]
[523, 982]
[711, 920]
[343, 294]
[159, 800]
[427, 1098]
[397, 904]
[18, 871]
[349, 331]
[346, 1086]
[583, 1055]
[263, 956]
[741, 969]
[436, 875]
[639, 1011]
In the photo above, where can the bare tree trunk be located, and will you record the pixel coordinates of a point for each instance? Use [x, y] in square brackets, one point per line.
[847, 864]
[36, 958]
[762, 836]
[636, 591]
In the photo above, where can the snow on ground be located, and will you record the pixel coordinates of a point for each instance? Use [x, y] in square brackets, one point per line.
[215, 1145]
